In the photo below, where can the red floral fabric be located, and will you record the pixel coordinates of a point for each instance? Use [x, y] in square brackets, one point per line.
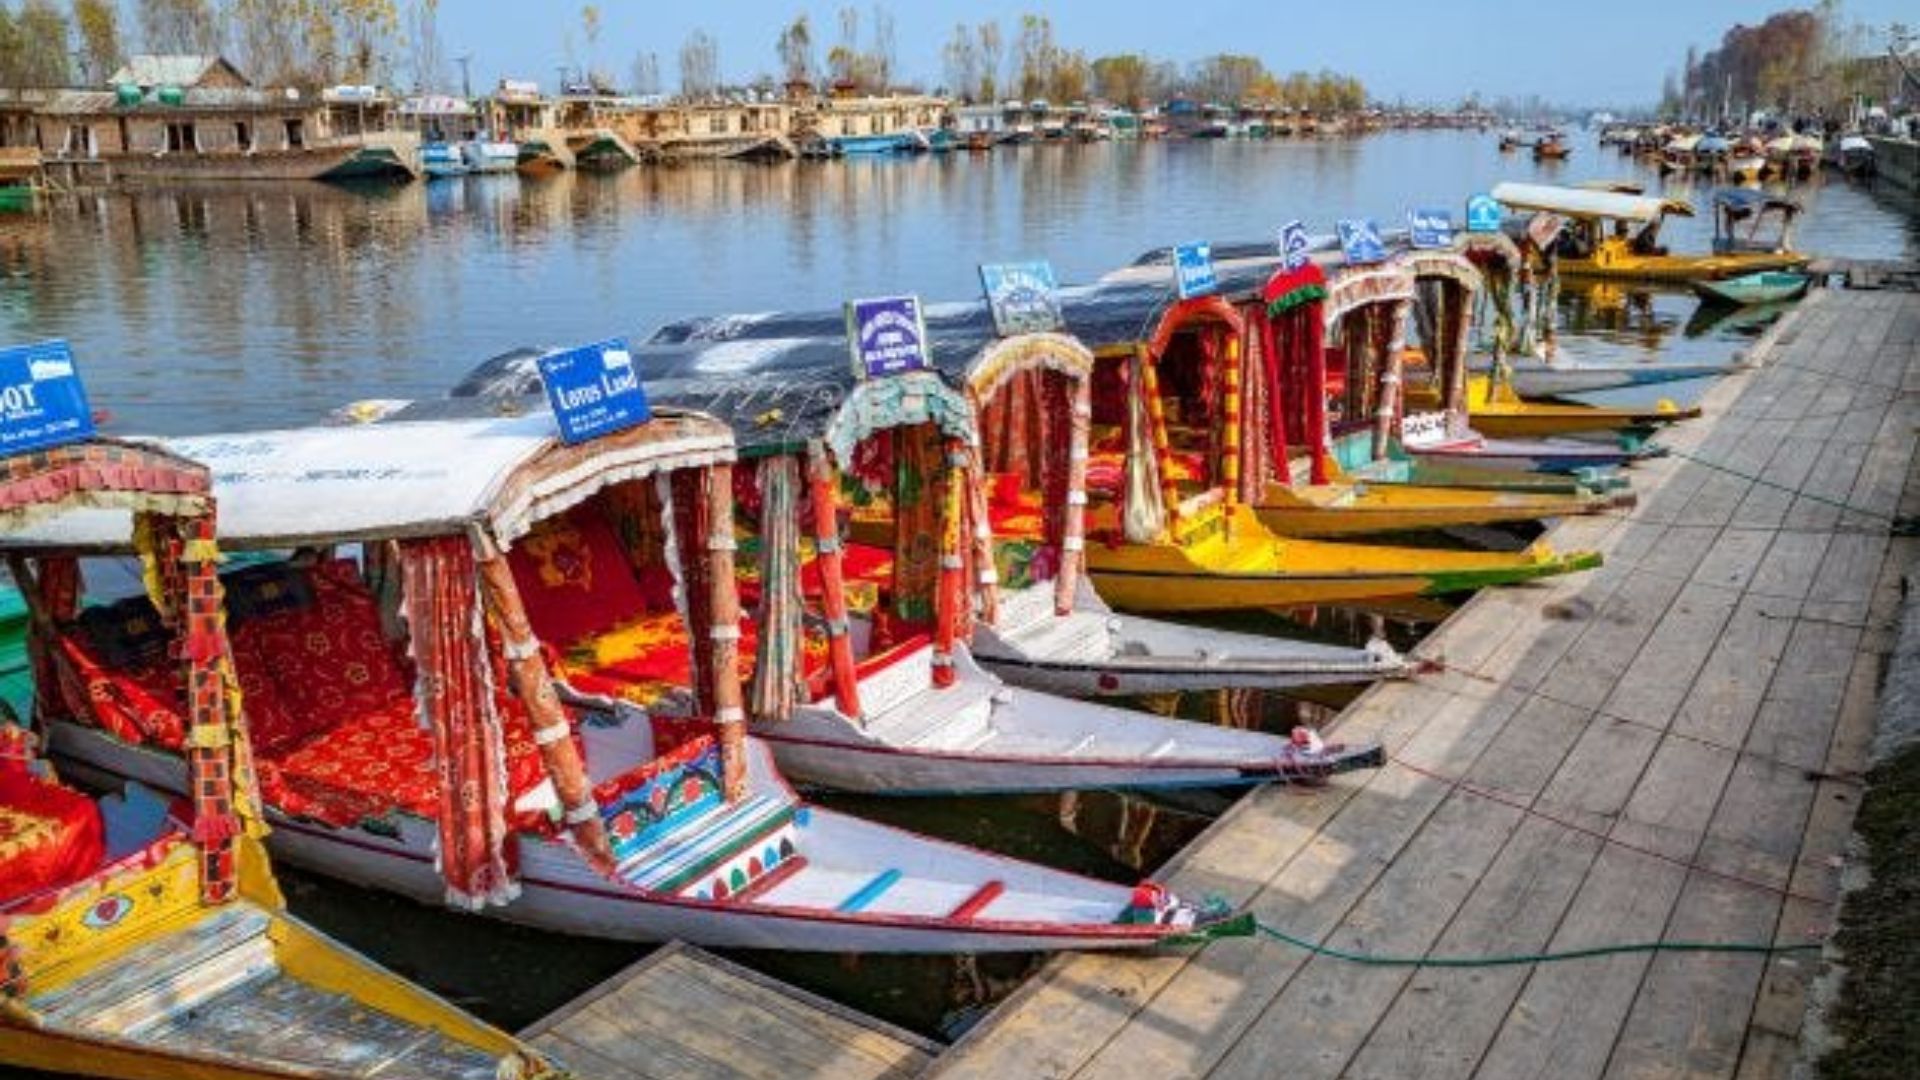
[49, 835]
[574, 577]
[140, 706]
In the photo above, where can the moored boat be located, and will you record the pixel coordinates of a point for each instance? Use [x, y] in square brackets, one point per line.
[142, 940]
[1616, 235]
[488, 153]
[627, 823]
[1766, 287]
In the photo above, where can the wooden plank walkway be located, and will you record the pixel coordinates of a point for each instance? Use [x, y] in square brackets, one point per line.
[683, 1013]
[1667, 748]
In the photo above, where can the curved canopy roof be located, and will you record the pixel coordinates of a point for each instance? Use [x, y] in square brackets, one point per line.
[323, 485]
[106, 474]
[1588, 203]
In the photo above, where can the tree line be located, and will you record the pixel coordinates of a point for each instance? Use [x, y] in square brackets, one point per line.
[1797, 62]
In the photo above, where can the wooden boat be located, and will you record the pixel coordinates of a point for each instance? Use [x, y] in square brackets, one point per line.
[1497, 411]
[1536, 380]
[1551, 146]
[1167, 533]
[442, 161]
[897, 705]
[139, 940]
[486, 153]
[540, 155]
[1598, 244]
[1767, 287]
[628, 823]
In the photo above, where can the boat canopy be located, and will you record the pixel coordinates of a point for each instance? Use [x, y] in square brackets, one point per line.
[1739, 203]
[103, 475]
[291, 488]
[1586, 203]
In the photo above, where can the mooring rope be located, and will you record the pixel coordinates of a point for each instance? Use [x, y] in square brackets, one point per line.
[1897, 525]
[1513, 959]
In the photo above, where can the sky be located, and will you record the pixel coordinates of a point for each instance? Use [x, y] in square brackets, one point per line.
[1426, 51]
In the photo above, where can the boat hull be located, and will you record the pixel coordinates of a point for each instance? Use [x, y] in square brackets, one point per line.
[561, 893]
[1245, 567]
[1761, 288]
[1520, 456]
[1681, 268]
[1558, 380]
[1362, 509]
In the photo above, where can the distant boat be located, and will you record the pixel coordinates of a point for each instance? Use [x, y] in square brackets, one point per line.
[1765, 287]
[440, 161]
[489, 155]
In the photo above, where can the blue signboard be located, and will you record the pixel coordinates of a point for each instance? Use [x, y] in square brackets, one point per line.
[42, 403]
[1430, 228]
[1360, 241]
[1024, 297]
[888, 336]
[594, 390]
[1193, 270]
[1483, 214]
[1293, 245]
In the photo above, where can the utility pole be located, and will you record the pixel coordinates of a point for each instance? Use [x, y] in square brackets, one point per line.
[561, 90]
[465, 60]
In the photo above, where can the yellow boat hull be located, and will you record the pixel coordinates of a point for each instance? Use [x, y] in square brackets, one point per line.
[1679, 268]
[1240, 565]
[1361, 509]
[1509, 417]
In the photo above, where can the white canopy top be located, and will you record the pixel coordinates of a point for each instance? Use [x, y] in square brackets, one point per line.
[1586, 203]
[333, 484]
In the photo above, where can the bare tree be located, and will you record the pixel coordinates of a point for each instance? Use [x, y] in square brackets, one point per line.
[1034, 51]
[961, 59]
[590, 29]
[646, 73]
[796, 50]
[699, 66]
[97, 23]
[843, 60]
[179, 26]
[993, 51]
[880, 58]
[428, 53]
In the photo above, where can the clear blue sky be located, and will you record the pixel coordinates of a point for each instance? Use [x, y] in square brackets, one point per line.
[1609, 52]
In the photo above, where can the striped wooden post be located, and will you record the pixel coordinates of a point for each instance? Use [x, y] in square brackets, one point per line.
[533, 684]
[1157, 429]
[729, 709]
[833, 586]
[1387, 408]
[1073, 538]
[952, 595]
[210, 734]
[1230, 417]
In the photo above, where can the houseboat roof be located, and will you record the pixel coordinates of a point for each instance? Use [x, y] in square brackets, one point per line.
[203, 99]
[303, 486]
[1587, 203]
[185, 71]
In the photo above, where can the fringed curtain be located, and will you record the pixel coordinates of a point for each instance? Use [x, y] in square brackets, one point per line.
[1144, 515]
[778, 670]
[688, 510]
[1294, 338]
[453, 694]
[51, 587]
[919, 497]
[822, 500]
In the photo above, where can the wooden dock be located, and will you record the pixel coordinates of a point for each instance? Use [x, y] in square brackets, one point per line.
[685, 1014]
[1668, 748]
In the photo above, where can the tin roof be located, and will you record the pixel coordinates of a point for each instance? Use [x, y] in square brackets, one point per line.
[149, 70]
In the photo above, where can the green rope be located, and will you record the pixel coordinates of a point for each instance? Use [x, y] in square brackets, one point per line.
[1372, 960]
[1897, 525]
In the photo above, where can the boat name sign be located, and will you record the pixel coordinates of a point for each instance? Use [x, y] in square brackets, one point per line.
[1193, 271]
[1293, 245]
[1430, 228]
[887, 335]
[594, 390]
[1360, 241]
[42, 402]
[1483, 214]
[1023, 296]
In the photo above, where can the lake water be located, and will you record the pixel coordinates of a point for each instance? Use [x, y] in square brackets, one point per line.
[207, 308]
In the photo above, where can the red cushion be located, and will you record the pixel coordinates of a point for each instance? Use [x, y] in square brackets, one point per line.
[139, 706]
[49, 836]
[574, 577]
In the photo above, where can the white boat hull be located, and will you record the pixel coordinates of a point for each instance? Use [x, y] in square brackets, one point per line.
[1039, 908]
[1096, 651]
[1560, 380]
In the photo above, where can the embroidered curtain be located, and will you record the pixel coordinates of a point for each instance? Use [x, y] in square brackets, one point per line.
[919, 497]
[778, 674]
[1293, 336]
[454, 699]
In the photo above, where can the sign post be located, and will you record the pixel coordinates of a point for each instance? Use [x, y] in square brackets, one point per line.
[42, 402]
[1483, 214]
[1430, 228]
[1024, 297]
[1193, 271]
[594, 390]
[887, 336]
[1293, 245]
[1360, 241]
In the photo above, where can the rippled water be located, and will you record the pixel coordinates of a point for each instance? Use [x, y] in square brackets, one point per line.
[193, 309]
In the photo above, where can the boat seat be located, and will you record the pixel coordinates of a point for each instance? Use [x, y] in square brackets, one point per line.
[866, 894]
[974, 905]
[50, 835]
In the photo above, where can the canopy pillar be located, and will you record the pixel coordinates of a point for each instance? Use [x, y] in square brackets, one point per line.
[1073, 528]
[1230, 416]
[833, 587]
[951, 598]
[1149, 390]
[729, 712]
[533, 684]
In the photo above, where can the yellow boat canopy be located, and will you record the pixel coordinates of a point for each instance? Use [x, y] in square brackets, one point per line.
[1588, 203]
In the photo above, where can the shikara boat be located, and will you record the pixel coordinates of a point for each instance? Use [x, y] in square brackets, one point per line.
[1494, 409]
[1616, 235]
[1168, 530]
[1766, 287]
[896, 704]
[140, 939]
[408, 734]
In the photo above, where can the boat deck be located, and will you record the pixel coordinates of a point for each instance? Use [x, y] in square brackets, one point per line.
[1669, 748]
[682, 1013]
